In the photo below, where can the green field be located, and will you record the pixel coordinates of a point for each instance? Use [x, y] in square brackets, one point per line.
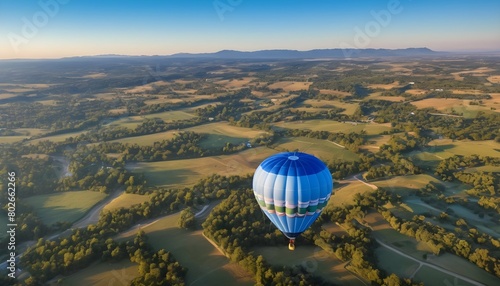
[444, 148]
[64, 207]
[490, 169]
[323, 149]
[430, 276]
[58, 138]
[392, 262]
[424, 159]
[320, 104]
[405, 184]
[11, 139]
[132, 122]
[317, 261]
[146, 140]
[188, 171]
[103, 274]
[220, 133]
[206, 265]
[125, 201]
[452, 262]
[345, 194]
[335, 126]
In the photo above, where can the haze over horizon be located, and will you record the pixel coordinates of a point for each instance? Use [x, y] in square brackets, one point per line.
[57, 28]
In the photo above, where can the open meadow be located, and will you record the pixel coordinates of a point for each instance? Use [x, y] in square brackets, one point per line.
[101, 274]
[343, 195]
[445, 148]
[188, 171]
[125, 200]
[335, 126]
[323, 149]
[206, 264]
[404, 184]
[64, 206]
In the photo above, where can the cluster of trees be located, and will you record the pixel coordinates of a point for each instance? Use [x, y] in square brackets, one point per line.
[91, 169]
[439, 240]
[485, 184]
[405, 116]
[82, 247]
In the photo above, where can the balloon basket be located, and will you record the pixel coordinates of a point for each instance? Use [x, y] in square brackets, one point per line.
[291, 245]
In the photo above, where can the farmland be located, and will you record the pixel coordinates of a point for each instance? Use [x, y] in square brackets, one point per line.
[64, 207]
[207, 265]
[192, 119]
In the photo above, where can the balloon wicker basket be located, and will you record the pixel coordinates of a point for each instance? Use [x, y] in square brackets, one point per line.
[291, 245]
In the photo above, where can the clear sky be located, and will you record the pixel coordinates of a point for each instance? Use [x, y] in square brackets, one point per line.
[61, 28]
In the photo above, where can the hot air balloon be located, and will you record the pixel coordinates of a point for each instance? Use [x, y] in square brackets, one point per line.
[292, 188]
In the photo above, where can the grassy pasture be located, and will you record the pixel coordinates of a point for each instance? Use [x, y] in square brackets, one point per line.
[103, 274]
[57, 138]
[189, 171]
[494, 79]
[445, 148]
[345, 194]
[424, 159]
[385, 86]
[452, 262]
[405, 184]
[290, 85]
[491, 169]
[322, 104]
[30, 131]
[375, 141]
[334, 92]
[440, 103]
[207, 266]
[66, 206]
[220, 133]
[378, 96]
[236, 83]
[391, 262]
[223, 128]
[149, 139]
[163, 99]
[323, 149]
[132, 122]
[316, 260]
[431, 276]
[12, 139]
[125, 201]
[335, 126]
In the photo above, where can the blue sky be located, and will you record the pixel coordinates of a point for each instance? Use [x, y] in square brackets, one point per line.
[61, 28]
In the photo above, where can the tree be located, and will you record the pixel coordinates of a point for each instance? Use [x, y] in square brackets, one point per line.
[187, 219]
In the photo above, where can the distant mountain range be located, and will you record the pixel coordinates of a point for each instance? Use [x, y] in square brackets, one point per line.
[312, 54]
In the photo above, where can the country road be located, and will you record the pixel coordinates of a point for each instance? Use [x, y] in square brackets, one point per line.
[93, 215]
